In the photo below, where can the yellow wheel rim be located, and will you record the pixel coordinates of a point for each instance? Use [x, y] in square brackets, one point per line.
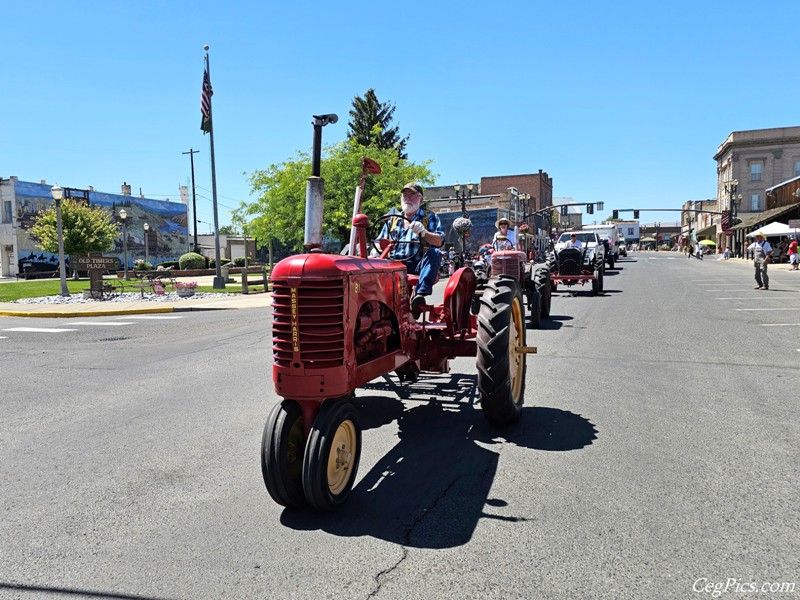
[516, 338]
[341, 456]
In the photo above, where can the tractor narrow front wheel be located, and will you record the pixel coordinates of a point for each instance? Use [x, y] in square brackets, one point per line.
[282, 447]
[500, 362]
[331, 456]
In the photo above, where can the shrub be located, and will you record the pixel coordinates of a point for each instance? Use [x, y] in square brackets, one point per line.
[212, 263]
[239, 261]
[141, 265]
[192, 260]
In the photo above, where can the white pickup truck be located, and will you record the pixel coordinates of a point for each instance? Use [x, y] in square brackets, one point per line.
[609, 233]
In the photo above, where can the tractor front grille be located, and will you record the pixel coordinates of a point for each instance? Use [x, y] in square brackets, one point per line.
[506, 263]
[312, 336]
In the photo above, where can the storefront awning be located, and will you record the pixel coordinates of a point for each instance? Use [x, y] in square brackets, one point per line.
[708, 231]
[765, 217]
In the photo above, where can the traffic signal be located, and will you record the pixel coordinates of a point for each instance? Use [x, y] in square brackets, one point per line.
[636, 214]
[564, 210]
[590, 209]
[615, 214]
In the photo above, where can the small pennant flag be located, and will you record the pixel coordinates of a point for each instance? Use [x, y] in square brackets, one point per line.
[205, 103]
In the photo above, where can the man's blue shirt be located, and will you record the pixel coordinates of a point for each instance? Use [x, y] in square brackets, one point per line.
[402, 232]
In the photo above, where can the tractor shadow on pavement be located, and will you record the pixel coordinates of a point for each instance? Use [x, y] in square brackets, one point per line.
[432, 487]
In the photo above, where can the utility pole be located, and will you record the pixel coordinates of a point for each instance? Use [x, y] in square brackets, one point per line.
[191, 154]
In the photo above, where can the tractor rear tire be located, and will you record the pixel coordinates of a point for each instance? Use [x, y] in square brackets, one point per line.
[543, 285]
[331, 456]
[602, 278]
[282, 447]
[501, 366]
[535, 309]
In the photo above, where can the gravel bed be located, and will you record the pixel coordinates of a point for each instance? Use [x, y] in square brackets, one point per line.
[124, 297]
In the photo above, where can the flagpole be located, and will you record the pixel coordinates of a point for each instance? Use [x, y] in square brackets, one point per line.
[219, 282]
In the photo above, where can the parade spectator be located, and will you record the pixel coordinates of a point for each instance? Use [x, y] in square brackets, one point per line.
[793, 254]
[762, 255]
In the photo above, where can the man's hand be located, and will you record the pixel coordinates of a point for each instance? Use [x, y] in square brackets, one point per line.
[417, 227]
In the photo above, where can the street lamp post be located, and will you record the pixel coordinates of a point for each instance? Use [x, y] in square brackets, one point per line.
[464, 196]
[732, 186]
[146, 243]
[58, 194]
[657, 225]
[123, 216]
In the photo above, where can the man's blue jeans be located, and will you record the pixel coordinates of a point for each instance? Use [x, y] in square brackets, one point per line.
[427, 268]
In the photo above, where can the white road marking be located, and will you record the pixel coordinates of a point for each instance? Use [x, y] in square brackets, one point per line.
[3, 337]
[753, 309]
[100, 323]
[154, 317]
[38, 329]
[770, 297]
[780, 324]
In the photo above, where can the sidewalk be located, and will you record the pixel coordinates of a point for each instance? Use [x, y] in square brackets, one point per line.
[99, 308]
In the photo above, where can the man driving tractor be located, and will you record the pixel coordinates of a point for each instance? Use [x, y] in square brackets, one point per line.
[419, 226]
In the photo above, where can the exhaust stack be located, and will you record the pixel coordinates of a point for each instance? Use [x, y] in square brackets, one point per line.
[315, 186]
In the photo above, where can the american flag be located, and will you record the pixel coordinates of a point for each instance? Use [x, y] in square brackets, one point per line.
[205, 103]
[726, 220]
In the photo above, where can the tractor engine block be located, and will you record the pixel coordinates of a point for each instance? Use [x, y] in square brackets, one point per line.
[375, 327]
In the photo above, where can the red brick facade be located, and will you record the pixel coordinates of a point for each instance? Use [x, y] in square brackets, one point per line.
[538, 185]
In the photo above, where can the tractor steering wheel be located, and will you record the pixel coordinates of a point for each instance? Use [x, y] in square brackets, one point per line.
[384, 245]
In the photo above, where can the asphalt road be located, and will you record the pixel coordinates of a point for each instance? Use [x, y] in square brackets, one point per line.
[657, 455]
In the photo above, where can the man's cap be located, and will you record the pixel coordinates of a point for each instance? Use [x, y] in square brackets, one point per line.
[503, 220]
[759, 234]
[415, 187]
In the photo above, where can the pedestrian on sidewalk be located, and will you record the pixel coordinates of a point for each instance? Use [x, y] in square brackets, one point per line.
[698, 250]
[793, 254]
[762, 255]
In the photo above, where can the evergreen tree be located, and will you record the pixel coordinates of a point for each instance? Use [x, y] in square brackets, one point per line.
[370, 124]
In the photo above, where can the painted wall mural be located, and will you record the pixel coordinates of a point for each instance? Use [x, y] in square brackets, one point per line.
[167, 240]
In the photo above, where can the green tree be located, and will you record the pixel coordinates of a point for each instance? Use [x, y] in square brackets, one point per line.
[370, 124]
[228, 230]
[86, 229]
[279, 211]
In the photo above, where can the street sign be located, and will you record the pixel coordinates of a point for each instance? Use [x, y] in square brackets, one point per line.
[794, 223]
[102, 263]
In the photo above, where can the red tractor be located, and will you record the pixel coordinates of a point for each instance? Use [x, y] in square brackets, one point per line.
[342, 321]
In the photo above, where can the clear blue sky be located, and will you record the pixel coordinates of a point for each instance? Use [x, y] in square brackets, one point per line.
[620, 102]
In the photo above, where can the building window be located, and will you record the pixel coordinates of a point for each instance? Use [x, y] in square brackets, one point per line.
[756, 170]
[755, 202]
[797, 168]
[630, 231]
[7, 211]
